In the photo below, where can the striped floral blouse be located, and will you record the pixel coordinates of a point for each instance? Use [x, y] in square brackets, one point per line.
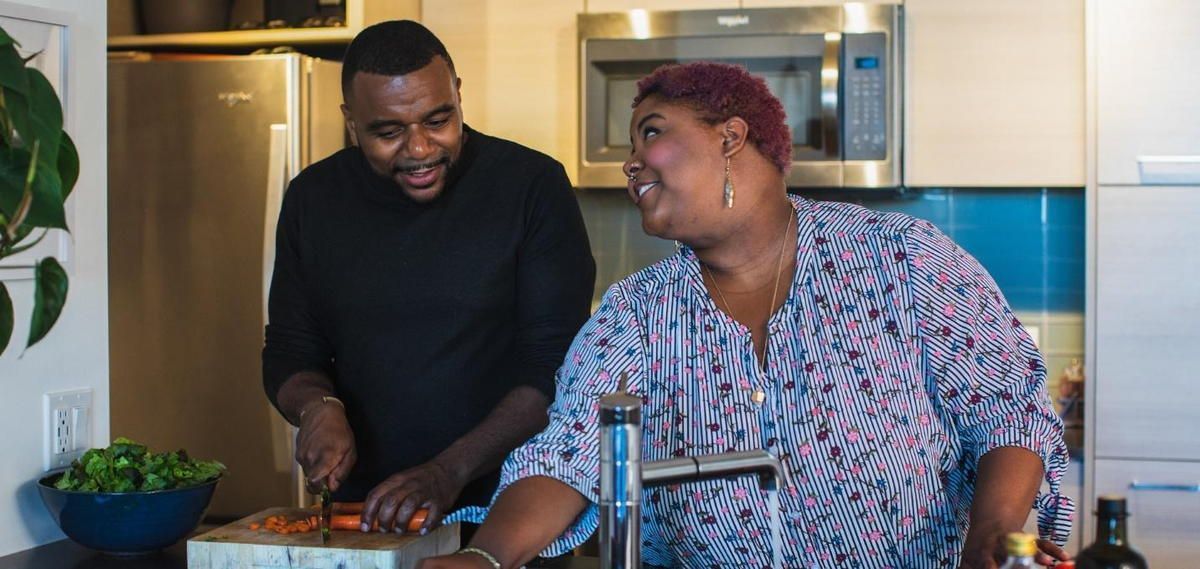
[893, 366]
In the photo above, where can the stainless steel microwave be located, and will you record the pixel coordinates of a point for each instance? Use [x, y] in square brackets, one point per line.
[836, 69]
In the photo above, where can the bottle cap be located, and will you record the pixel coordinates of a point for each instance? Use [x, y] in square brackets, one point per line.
[1111, 505]
[1020, 544]
[1064, 565]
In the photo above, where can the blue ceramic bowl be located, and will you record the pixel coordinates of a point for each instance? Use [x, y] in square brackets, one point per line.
[128, 523]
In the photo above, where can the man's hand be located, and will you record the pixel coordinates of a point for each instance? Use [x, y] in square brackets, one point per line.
[325, 446]
[432, 485]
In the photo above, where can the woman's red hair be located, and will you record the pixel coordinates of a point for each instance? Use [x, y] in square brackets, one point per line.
[720, 91]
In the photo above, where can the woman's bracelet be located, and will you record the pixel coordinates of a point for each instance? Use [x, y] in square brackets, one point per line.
[488, 556]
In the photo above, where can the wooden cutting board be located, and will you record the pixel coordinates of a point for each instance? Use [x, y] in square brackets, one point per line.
[236, 546]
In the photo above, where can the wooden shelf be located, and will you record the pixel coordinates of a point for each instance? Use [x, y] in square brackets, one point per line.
[239, 38]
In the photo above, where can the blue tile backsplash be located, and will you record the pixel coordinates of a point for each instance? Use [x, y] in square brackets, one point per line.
[1030, 239]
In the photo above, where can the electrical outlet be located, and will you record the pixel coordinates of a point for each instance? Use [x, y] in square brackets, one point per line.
[68, 426]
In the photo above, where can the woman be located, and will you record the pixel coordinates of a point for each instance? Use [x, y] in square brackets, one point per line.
[874, 357]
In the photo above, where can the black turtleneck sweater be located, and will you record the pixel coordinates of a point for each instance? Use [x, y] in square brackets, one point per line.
[426, 315]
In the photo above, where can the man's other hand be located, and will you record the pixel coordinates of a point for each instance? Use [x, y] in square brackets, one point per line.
[432, 485]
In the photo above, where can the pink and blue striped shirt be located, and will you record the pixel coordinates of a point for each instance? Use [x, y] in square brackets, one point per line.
[893, 366]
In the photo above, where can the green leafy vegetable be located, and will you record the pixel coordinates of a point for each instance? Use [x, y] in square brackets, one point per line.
[127, 466]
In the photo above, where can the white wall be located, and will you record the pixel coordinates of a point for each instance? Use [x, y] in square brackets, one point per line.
[75, 353]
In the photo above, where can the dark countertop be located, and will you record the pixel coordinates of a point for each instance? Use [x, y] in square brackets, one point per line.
[67, 554]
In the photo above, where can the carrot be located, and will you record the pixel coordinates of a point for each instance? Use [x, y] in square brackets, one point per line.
[348, 507]
[348, 522]
[255, 526]
[353, 522]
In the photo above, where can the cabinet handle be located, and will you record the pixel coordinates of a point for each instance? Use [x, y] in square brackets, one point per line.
[1135, 485]
[1183, 169]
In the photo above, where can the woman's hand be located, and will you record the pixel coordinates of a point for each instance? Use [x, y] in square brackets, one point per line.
[1050, 554]
[455, 561]
[985, 550]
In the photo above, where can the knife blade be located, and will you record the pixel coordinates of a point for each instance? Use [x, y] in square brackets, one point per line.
[326, 513]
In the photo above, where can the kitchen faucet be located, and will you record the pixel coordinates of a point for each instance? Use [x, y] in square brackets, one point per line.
[622, 475]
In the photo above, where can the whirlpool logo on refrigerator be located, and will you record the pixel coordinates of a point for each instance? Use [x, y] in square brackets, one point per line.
[234, 98]
[733, 21]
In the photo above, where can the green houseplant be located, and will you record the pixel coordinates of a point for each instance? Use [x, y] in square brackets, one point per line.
[38, 168]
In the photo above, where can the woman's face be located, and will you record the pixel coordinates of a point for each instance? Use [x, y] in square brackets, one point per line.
[676, 170]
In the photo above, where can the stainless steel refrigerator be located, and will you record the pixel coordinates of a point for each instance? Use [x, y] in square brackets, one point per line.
[200, 152]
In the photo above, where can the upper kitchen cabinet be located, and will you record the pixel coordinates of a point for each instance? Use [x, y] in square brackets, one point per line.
[601, 6]
[518, 61]
[994, 93]
[123, 20]
[1147, 92]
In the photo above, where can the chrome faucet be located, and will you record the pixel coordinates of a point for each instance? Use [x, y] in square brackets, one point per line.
[622, 475]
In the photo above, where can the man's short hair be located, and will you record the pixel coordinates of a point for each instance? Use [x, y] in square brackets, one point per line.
[392, 48]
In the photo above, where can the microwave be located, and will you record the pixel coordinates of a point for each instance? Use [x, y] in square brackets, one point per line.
[836, 69]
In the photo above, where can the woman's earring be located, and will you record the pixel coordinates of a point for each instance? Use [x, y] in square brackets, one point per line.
[728, 185]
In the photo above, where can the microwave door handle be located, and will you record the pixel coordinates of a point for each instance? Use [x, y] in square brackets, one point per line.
[830, 78]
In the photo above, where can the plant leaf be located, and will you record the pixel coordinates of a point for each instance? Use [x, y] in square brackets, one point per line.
[6, 317]
[6, 39]
[49, 296]
[16, 106]
[21, 234]
[12, 70]
[14, 165]
[45, 117]
[68, 165]
[47, 208]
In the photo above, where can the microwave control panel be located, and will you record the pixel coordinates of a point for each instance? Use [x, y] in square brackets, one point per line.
[865, 92]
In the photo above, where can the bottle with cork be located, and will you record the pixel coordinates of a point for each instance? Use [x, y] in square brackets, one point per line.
[1111, 550]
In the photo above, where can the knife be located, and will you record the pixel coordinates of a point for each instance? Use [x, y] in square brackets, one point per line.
[326, 513]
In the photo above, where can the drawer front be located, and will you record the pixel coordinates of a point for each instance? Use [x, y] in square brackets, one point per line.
[1147, 322]
[1164, 503]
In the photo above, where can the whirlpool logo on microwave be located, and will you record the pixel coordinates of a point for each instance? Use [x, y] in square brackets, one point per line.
[733, 21]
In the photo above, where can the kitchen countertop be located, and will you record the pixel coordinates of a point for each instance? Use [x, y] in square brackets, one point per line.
[66, 554]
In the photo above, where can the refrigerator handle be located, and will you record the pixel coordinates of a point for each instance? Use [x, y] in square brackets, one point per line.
[277, 179]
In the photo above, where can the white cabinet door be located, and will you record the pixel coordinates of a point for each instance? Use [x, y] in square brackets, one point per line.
[1164, 503]
[1147, 322]
[601, 6]
[1147, 91]
[994, 93]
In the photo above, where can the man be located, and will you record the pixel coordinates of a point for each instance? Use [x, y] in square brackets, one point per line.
[428, 281]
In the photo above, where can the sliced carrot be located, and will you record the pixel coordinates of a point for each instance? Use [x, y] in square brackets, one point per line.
[418, 518]
[255, 526]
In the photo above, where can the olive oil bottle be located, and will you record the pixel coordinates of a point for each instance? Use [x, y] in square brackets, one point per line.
[1111, 549]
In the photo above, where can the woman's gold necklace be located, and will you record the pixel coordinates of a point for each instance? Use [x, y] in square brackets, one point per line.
[759, 395]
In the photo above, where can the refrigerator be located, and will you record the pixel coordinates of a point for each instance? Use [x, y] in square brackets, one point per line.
[201, 149]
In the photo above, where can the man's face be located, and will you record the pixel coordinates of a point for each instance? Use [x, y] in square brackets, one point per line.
[410, 127]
